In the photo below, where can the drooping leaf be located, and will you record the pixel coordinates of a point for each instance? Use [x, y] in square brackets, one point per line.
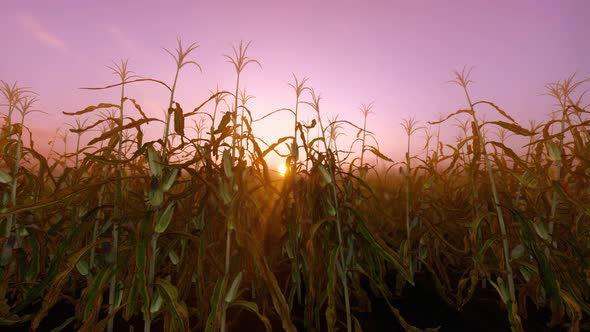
[92, 295]
[516, 129]
[377, 153]
[496, 108]
[137, 106]
[253, 307]
[58, 283]
[470, 112]
[93, 108]
[387, 254]
[111, 133]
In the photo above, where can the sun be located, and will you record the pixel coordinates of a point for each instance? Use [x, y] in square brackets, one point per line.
[283, 169]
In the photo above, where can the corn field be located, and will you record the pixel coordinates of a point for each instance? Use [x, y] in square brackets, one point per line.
[194, 231]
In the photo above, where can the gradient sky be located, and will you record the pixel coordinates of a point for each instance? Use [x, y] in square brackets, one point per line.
[397, 54]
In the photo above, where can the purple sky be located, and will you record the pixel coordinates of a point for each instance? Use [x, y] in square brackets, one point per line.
[398, 54]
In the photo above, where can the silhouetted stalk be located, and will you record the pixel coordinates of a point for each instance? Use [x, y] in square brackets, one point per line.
[315, 104]
[99, 217]
[526, 161]
[562, 91]
[463, 81]
[14, 95]
[240, 61]
[294, 230]
[124, 75]
[180, 59]
[366, 110]
[408, 125]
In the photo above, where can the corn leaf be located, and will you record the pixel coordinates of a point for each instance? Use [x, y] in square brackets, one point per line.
[387, 254]
[93, 108]
[253, 307]
[165, 218]
[177, 308]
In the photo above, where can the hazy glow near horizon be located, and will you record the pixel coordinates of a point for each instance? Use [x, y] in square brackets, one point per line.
[396, 54]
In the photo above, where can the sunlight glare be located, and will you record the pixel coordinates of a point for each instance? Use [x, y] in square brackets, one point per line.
[283, 169]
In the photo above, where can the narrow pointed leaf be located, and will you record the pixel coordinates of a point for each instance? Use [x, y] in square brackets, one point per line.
[165, 218]
[92, 108]
[387, 254]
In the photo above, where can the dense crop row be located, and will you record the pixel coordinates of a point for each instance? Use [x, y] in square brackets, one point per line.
[194, 232]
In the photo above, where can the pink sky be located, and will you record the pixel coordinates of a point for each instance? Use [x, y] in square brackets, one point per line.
[398, 54]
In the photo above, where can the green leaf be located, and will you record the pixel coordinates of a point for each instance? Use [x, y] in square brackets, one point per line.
[55, 288]
[330, 208]
[227, 164]
[173, 257]
[169, 179]
[233, 289]
[542, 230]
[82, 267]
[178, 309]
[325, 175]
[34, 264]
[165, 218]
[154, 162]
[5, 177]
[517, 251]
[92, 300]
[502, 289]
[483, 249]
[225, 191]
[156, 197]
[157, 302]
[213, 318]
